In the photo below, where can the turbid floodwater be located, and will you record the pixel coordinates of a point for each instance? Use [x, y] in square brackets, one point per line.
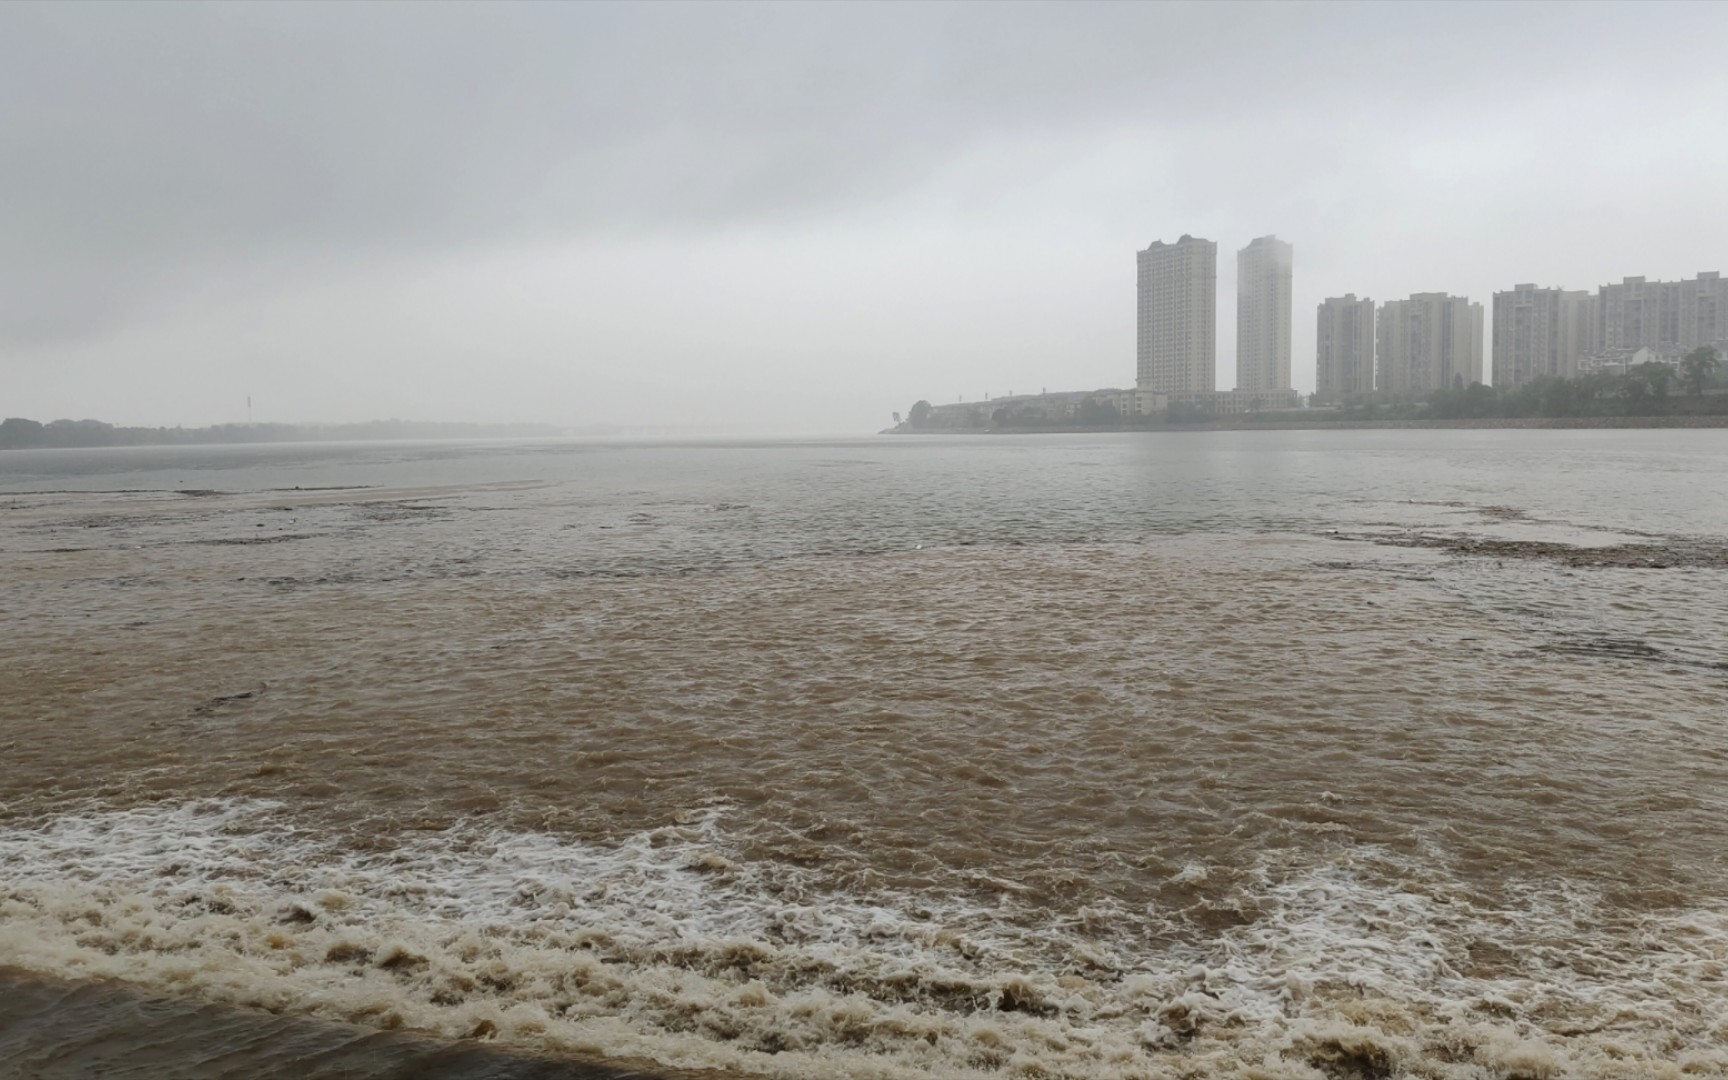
[1273, 755]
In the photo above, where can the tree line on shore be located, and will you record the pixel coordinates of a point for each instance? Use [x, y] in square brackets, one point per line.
[1691, 388]
[17, 433]
[1648, 389]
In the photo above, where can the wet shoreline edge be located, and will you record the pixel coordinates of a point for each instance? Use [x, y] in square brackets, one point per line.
[54, 1027]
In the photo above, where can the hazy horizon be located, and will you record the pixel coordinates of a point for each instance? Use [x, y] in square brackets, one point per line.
[787, 219]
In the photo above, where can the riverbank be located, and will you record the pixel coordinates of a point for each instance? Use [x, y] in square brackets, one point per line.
[1250, 423]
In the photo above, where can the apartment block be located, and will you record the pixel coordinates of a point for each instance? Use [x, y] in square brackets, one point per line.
[1177, 315]
[1670, 318]
[1344, 355]
[1539, 333]
[1263, 277]
[1429, 342]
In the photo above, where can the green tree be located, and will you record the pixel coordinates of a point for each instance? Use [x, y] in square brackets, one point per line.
[1463, 402]
[1094, 411]
[1660, 377]
[920, 414]
[1696, 370]
[79, 433]
[17, 431]
[1645, 388]
[1480, 400]
[1558, 397]
[1525, 399]
[1181, 412]
[1596, 393]
[1634, 392]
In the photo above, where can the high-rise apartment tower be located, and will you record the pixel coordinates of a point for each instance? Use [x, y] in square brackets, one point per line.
[1429, 342]
[1344, 355]
[1671, 318]
[1177, 339]
[1263, 315]
[1539, 333]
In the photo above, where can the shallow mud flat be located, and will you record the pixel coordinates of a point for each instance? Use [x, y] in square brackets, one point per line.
[717, 778]
[1661, 555]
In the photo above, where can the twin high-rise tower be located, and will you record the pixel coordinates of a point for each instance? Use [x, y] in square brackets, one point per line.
[1177, 315]
[1263, 315]
[1177, 343]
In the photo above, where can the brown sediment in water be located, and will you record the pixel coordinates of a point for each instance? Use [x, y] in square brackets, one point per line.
[1180, 807]
[61, 1029]
[1665, 555]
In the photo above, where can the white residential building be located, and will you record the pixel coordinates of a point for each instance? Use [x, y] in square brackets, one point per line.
[1263, 272]
[1177, 339]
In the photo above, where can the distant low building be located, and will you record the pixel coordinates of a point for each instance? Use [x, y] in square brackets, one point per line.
[1621, 363]
[1062, 407]
[1103, 406]
[1238, 402]
[1133, 403]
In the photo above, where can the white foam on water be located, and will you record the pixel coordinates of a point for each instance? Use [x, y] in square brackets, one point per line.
[669, 946]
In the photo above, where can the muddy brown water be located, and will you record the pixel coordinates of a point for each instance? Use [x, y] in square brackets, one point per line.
[1139, 756]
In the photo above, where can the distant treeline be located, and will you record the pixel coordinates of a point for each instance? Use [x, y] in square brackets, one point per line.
[1649, 389]
[17, 433]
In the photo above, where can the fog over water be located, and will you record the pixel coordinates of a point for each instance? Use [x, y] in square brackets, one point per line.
[743, 742]
[1275, 754]
[786, 218]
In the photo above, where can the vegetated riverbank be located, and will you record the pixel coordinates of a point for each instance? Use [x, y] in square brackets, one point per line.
[18, 433]
[1284, 423]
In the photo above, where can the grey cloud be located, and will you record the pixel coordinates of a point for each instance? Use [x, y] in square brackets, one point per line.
[194, 126]
[148, 152]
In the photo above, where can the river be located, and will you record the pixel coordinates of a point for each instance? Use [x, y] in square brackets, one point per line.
[1274, 754]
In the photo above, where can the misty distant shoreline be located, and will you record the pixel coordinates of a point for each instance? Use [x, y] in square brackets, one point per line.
[1250, 424]
[17, 433]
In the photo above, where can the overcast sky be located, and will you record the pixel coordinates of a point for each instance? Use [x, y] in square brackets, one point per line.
[789, 217]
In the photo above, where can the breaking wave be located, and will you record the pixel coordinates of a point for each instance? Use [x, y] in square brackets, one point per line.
[672, 946]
